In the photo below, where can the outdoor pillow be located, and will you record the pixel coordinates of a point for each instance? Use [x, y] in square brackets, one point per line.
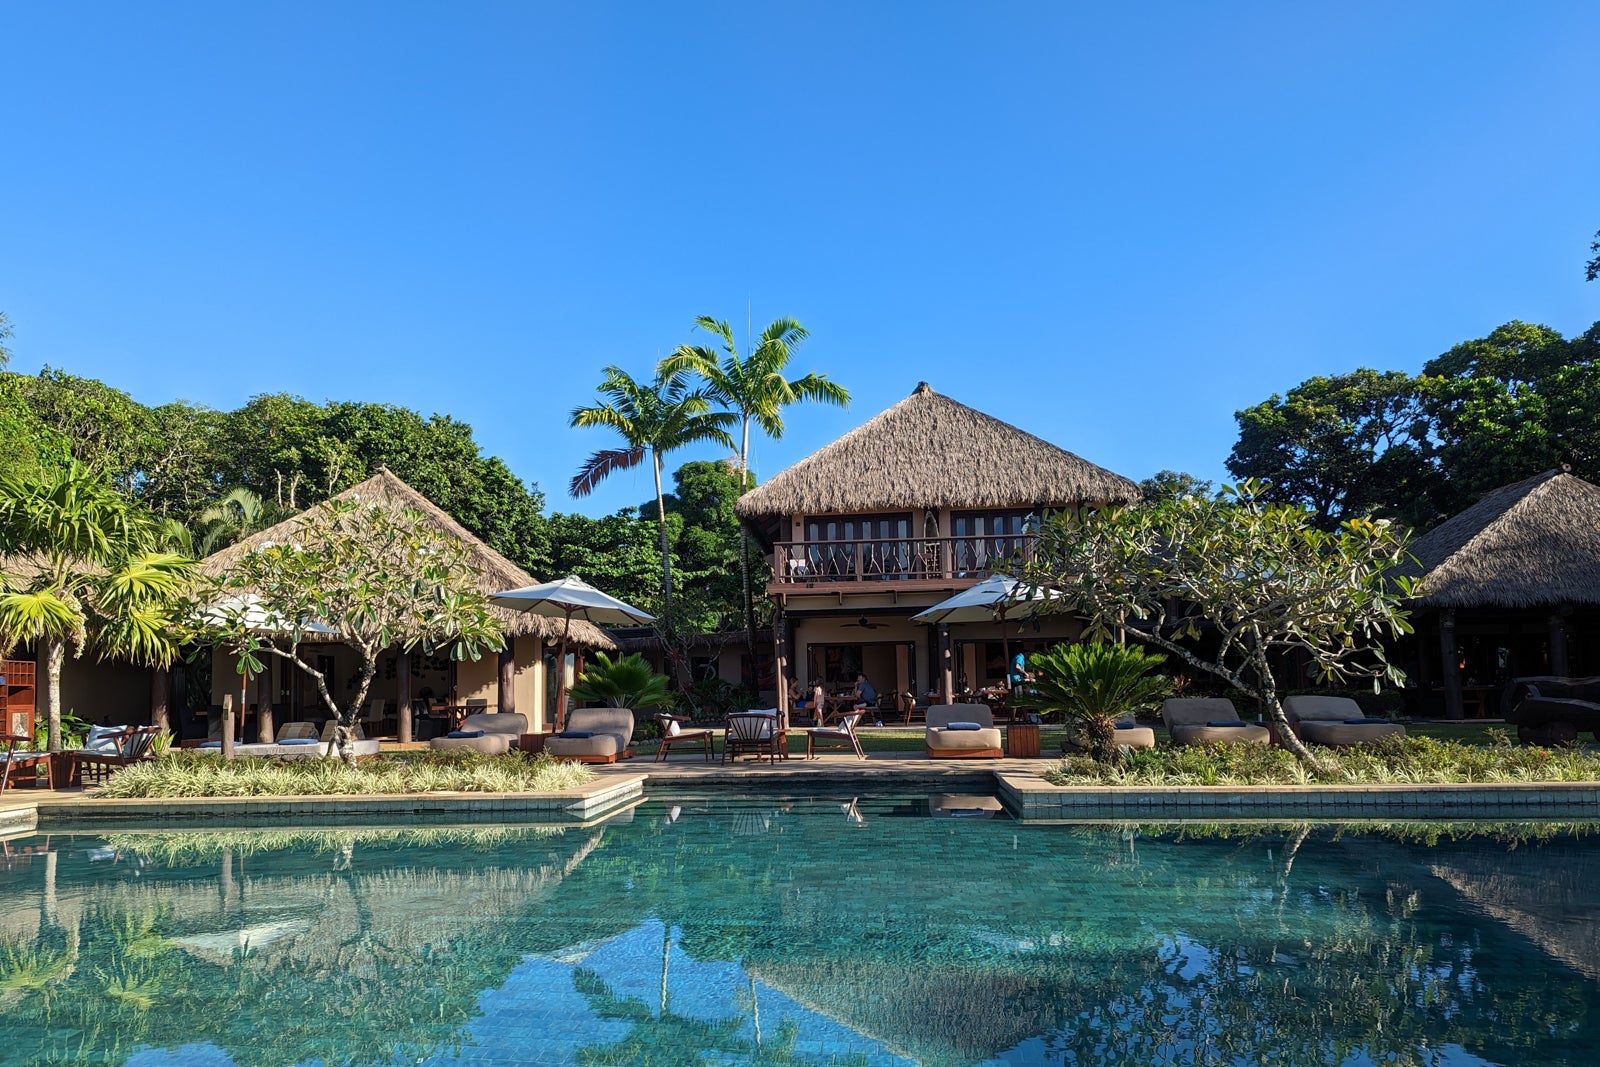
[585, 734]
[672, 727]
[1227, 722]
[470, 733]
[211, 744]
[104, 739]
[299, 741]
[962, 726]
[1127, 725]
[1368, 721]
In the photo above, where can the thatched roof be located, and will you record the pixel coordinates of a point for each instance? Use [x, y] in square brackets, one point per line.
[648, 639]
[1535, 543]
[929, 451]
[495, 572]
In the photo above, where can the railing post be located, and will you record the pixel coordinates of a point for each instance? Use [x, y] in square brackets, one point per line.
[858, 558]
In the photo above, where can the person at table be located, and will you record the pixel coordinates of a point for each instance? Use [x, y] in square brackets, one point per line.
[866, 696]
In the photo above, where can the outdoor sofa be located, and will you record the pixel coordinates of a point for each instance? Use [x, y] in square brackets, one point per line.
[1209, 721]
[1336, 721]
[489, 733]
[943, 742]
[593, 735]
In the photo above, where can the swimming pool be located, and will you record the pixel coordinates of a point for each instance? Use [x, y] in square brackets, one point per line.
[804, 931]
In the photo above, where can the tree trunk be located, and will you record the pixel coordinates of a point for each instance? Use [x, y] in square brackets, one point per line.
[160, 710]
[744, 550]
[666, 551]
[1268, 695]
[507, 690]
[51, 654]
[402, 700]
[345, 733]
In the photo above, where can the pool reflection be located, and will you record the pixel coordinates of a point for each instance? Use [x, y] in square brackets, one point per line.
[832, 931]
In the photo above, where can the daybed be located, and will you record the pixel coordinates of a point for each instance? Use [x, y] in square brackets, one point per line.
[1129, 735]
[943, 742]
[593, 735]
[1209, 721]
[489, 733]
[1336, 721]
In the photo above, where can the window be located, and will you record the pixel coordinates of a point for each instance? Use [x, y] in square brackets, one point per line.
[983, 539]
[879, 545]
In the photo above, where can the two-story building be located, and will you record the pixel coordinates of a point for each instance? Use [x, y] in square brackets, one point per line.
[926, 499]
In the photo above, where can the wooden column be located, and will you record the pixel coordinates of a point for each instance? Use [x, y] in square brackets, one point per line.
[402, 696]
[227, 725]
[507, 692]
[947, 667]
[780, 657]
[1558, 642]
[160, 708]
[266, 732]
[1450, 663]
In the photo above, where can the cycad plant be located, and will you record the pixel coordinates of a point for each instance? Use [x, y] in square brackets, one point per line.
[1091, 684]
[624, 682]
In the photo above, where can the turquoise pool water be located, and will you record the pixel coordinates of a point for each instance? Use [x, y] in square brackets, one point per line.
[765, 931]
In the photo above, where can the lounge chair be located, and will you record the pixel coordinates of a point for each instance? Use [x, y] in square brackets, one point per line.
[13, 761]
[841, 736]
[1129, 735]
[673, 733]
[295, 740]
[593, 735]
[131, 745]
[1336, 721]
[761, 732]
[490, 733]
[1210, 721]
[951, 733]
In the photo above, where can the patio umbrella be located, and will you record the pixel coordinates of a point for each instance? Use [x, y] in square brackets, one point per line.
[995, 599]
[567, 599]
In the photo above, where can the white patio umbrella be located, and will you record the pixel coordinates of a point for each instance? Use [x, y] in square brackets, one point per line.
[995, 599]
[567, 599]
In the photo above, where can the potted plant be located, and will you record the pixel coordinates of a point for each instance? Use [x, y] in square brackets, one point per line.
[1092, 684]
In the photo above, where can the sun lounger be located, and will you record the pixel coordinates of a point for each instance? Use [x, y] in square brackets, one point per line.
[841, 736]
[962, 731]
[489, 733]
[593, 735]
[1336, 721]
[673, 733]
[1210, 721]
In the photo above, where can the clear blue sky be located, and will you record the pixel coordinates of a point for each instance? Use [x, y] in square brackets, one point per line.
[1111, 229]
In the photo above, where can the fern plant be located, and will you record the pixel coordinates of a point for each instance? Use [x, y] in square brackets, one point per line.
[1091, 684]
[624, 682]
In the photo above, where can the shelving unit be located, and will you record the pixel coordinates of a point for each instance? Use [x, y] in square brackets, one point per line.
[17, 698]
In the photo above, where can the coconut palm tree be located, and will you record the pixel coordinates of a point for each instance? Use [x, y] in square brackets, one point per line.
[233, 518]
[755, 389]
[653, 419]
[82, 568]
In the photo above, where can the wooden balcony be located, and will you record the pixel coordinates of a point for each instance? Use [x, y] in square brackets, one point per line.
[900, 562]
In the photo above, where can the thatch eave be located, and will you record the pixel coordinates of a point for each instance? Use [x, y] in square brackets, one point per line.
[494, 572]
[926, 452]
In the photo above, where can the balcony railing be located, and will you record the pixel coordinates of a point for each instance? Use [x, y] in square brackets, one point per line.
[898, 559]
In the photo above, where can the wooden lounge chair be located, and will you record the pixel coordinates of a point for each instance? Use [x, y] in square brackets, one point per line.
[610, 737]
[841, 736]
[673, 733]
[13, 761]
[1210, 721]
[134, 744]
[753, 731]
[1336, 721]
[942, 742]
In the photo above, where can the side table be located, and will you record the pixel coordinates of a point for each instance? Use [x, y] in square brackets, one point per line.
[532, 743]
[1022, 740]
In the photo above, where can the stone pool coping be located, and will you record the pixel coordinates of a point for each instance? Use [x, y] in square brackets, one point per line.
[1036, 800]
[602, 796]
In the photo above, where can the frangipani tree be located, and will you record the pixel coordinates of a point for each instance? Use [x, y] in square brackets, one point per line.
[366, 574]
[1230, 586]
[82, 570]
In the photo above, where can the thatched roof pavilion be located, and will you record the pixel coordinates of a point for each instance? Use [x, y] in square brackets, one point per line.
[1515, 567]
[929, 451]
[1532, 544]
[495, 572]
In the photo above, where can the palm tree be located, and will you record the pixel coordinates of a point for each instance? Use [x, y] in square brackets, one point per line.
[233, 518]
[754, 388]
[1091, 684]
[653, 419]
[83, 568]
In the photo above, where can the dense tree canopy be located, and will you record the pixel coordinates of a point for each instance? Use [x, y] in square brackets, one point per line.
[1416, 447]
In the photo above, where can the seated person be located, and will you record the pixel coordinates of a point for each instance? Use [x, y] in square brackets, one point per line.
[866, 696]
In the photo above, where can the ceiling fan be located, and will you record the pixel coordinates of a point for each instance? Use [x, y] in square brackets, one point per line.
[867, 624]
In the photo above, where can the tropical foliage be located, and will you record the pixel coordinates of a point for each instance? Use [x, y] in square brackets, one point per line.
[1092, 684]
[82, 572]
[625, 682]
[190, 774]
[1231, 585]
[371, 575]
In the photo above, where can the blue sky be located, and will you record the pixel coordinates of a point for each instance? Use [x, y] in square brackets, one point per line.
[1111, 228]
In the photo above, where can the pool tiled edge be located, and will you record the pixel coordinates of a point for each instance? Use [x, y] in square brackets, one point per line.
[1034, 799]
[583, 802]
[18, 815]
